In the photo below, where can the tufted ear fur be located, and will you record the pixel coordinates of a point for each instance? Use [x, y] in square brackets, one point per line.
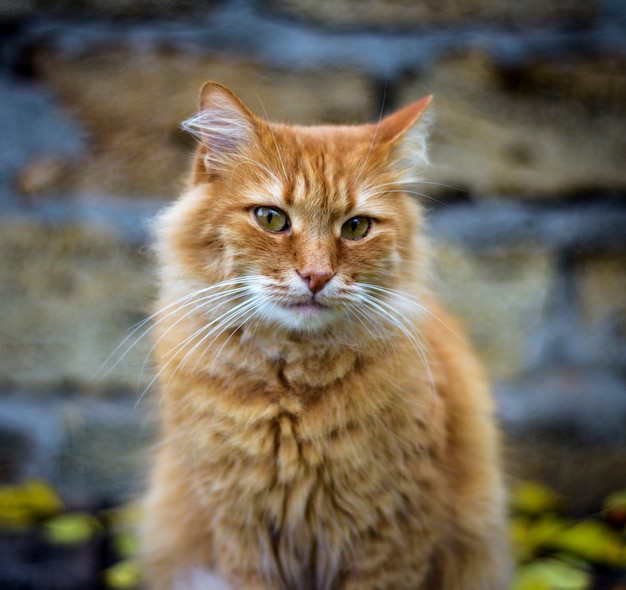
[406, 132]
[224, 125]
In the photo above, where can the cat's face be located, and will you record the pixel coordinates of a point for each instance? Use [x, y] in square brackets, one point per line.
[301, 228]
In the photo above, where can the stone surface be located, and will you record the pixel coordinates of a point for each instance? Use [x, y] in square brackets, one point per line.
[530, 101]
[132, 103]
[105, 448]
[82, 445]
[406, 13]
[73, 295]
[104, 8]
[601, 285]
[501, 298]
[37, 142]
[545, 129]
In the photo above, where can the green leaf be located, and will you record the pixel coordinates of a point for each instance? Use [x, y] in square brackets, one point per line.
[124, 575]
[126, 544]
[592, 540]
[552, 575]
[529, 536]
[71, 529]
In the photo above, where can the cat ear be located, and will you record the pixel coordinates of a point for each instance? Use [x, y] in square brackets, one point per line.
[406, 132]
[224, 125]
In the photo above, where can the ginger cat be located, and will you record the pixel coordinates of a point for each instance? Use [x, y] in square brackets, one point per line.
[324, 426]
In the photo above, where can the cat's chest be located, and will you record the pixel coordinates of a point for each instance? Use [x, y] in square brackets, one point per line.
[327, 467]
[293, 365]
[321, 494]
[299, 478]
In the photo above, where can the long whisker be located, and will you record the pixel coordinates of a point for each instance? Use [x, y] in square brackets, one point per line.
[269, 124]
[217, 327]
[412, 300]
[242, 312]
[381, 336]
[204, 303]
[371, 146]
[195, 307]
[413, 181]
[391, 313]
[409, 192]
[259, 165]
[172, 357]
[173, 307]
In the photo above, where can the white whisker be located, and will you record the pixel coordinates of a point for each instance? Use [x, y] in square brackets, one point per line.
[172, 359]
[371, 146]
[269, 125]
[193, 304]
[172, 308]
[265, 169]
[412, 300]
[391, 313]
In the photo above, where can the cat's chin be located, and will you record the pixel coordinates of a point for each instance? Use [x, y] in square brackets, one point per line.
[305, 317]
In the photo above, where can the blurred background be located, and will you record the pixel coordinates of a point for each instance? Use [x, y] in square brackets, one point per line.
[526, 203]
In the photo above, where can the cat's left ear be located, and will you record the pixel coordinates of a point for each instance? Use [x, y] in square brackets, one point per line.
[406, 133]
[224, 125]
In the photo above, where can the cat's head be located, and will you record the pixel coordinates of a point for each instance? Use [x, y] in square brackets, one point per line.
[295, 227]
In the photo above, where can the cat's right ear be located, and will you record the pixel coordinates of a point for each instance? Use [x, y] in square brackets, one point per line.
[224, 125]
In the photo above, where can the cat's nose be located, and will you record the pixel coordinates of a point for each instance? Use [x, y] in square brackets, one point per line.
[316, 280]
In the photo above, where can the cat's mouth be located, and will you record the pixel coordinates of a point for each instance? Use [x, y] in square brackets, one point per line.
[308, 307]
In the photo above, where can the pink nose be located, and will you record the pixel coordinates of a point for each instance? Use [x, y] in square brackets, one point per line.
[316, 280]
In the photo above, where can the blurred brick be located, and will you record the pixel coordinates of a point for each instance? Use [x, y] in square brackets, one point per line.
[405, 13]
[501, 299]
[104, 452]
[17, 8]
[543, 130]
[133, 104]
[41, 176]
[104, 8]
[601, 287]
[71, 296]
[15, 453]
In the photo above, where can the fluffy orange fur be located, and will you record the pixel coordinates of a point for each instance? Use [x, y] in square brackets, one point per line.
[324, 423]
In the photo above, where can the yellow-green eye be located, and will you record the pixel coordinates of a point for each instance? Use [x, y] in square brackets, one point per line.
[356, 228]
[273, 220]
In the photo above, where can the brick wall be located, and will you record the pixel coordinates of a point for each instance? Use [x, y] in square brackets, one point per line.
[527, 203]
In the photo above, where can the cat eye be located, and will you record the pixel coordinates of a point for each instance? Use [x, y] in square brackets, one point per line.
[356, 228]
[272, 220]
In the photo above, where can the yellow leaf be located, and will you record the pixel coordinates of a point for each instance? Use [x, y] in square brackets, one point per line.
[22, 505]
[592, 540]
[533, 498]
[529, 536]
[42, 498]
[545, 528]
[123, 517]
[70, 529]
[14, 517]
[124, 575]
